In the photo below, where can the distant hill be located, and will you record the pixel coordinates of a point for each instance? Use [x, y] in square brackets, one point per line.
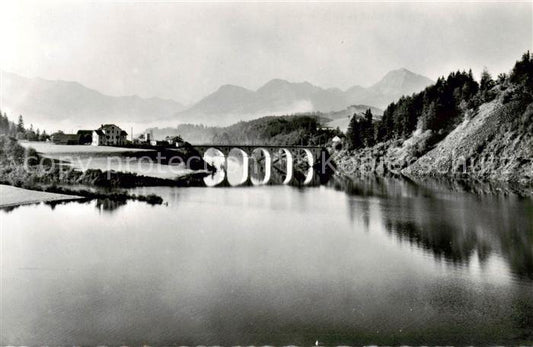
[230, 104]
[341, 119]
[349, 111]
[197, 133]
[270, 130]
[52, 103]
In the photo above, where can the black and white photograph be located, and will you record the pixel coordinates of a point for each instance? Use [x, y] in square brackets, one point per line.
[197, 173]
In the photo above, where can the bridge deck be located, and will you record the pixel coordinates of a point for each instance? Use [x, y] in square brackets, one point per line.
[257, 146]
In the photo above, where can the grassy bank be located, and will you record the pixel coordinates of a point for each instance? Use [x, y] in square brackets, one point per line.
[25, 168]
[13, 196]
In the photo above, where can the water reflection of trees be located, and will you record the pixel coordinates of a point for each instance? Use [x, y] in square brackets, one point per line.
[51, 204]
[453, 226]
[108, 205]
[8, 209]
[440, 238]
[105, 205]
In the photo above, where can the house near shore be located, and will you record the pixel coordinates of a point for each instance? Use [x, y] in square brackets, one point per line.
[106, 135]
[159, 143]
[86, 137]
[336, 143]
[65, 139]
[175, 141]
[109, 135]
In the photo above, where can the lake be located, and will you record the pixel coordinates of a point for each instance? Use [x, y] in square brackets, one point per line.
[391, 262]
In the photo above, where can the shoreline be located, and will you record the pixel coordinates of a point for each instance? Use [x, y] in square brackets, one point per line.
[11, 196]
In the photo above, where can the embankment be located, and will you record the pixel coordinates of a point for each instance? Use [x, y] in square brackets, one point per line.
[25, 168]
[494, 145]
[12, 196]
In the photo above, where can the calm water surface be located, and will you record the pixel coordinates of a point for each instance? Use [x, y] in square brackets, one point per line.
[397, 264]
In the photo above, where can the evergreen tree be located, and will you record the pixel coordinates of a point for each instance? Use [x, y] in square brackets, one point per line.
[522, 73]
[44, 136]
[486, 82]
[485, 86]
[4, 124]
[368, 129]
[20, 125]
[353, 133]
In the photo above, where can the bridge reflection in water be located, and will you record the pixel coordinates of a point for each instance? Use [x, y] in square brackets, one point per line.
[259, 165]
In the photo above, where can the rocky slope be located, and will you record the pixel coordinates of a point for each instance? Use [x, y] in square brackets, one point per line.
[493, 143]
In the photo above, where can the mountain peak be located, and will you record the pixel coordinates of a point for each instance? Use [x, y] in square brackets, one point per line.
[231, 88]
[401, 82]
[277, 81]
[401, 71]
[278, 85]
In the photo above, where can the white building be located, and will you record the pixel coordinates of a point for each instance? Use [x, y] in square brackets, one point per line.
[109, 135]
[336, 140]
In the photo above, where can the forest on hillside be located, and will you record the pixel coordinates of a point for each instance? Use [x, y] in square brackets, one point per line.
[288, 130]
[272, 130]
[442, 106]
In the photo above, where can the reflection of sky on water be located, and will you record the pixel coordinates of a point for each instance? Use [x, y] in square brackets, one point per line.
[390, 263]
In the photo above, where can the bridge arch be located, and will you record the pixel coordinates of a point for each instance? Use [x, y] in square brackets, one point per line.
[311, 162]
[217, 159]
[284, 155]
[259, 155]
[237, 168]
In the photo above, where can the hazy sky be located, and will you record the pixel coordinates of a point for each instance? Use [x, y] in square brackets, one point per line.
[184, 51]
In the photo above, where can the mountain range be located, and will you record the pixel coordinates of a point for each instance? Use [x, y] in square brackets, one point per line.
[230, 103]
[55, 104]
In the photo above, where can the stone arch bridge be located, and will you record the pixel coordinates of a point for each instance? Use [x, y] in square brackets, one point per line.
[265, 160]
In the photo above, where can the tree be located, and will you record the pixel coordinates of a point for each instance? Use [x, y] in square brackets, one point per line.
[522, 73]
[502, 77]
[367, 129]
[486, 81]
[353, 133]
[20, 125]
[429, 116]
[4, 124]
[44, 136]
[485, 86]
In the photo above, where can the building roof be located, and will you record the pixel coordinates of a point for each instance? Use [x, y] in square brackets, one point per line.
[85, 132]
[66, 137]
[108, 126]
